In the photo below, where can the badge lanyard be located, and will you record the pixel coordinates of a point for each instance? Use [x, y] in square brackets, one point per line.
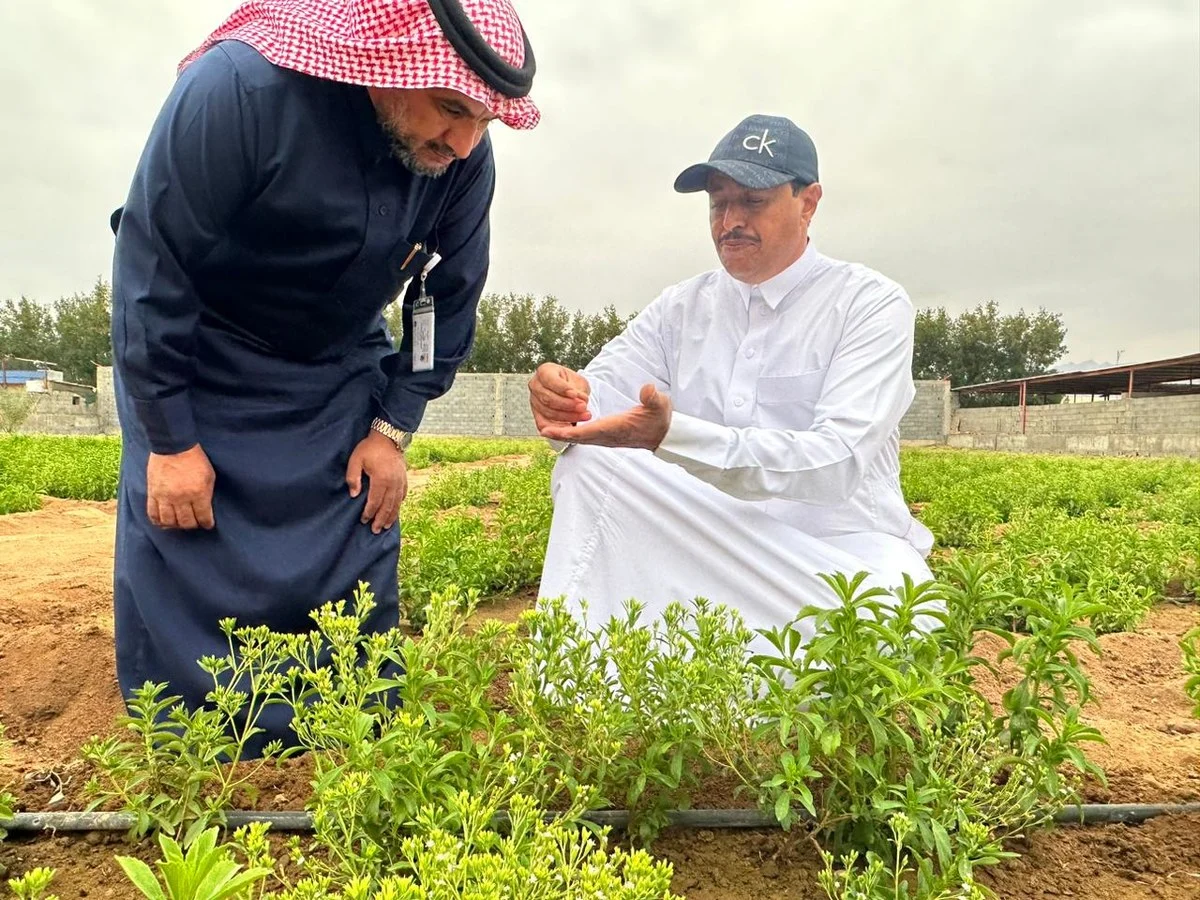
[422, 318]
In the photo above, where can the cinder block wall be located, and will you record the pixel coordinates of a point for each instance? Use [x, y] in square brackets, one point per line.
[928, 417]
[484, 405]
[1141, 426]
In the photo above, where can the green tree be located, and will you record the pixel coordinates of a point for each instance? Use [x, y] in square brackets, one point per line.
[27, 330]
[518, 332]
[982, 345]
[83, 324]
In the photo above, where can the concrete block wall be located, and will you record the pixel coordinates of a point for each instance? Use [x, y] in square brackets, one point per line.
[928, 416]
[493, 405]
[486, 405]
[1136, 426]
[61, 412]
[1137, 415]
[468, 408]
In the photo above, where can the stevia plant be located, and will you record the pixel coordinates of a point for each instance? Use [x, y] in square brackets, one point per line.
[33, 884]
[876, 730]
[178, 772]
[1190, 646]
[623, 708]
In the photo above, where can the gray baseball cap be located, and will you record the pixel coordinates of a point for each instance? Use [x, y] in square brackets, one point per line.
[762, 152]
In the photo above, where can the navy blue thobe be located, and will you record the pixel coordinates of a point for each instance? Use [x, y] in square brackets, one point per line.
[266, 228]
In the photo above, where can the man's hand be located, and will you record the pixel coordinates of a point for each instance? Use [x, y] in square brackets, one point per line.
[558, 396]
[642, 427]
[380, 460]
[179, 489]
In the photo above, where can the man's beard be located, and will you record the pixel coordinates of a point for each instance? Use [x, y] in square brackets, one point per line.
[404, 147]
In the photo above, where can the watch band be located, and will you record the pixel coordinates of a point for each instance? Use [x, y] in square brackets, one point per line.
[398, 437]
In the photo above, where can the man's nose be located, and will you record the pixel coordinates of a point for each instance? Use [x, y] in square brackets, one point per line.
[463, 137]
[732, 219]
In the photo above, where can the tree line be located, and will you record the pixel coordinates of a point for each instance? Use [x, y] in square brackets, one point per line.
[518, 332]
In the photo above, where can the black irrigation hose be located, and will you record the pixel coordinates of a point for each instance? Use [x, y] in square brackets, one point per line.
[294, 820]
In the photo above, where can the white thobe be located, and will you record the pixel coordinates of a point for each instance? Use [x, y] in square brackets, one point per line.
[782, 457]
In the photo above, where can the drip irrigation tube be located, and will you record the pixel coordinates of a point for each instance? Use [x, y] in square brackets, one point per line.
[296, 820]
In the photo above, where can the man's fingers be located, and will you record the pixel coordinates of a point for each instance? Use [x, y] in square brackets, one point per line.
[354, 474]
[185, 516]
[166, 515]
[375, 495]
[204, 512]
[596, 432]
[152, 510]
[557, 400]
[389, 508]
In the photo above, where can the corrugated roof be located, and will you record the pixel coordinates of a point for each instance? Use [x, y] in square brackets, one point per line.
[1178, 375]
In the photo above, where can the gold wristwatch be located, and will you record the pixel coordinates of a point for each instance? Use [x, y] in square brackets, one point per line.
[400, 438]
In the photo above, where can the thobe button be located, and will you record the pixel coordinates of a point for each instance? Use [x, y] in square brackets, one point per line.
[738, 401]
[383, 209]
[750, 353]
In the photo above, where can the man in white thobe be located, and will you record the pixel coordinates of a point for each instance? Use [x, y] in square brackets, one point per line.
[741, 436]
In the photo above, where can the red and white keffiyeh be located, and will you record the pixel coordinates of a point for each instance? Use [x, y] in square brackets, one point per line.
[380, 43]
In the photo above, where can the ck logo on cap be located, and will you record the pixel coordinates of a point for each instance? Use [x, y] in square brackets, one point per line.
[759, 142]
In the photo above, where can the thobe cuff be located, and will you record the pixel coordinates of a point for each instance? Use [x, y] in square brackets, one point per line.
[401, 407]
[690, 439]
[168, 422]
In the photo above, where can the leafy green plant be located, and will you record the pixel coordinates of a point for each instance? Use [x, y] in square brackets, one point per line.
[902, 875]
[427, 451]
[74, 467]
[1191, 664]
[179, 770]
[868, 719]
[16, 498]
[622, 708]
[534, 859]
[1127, 531]
[8, 803]
[1044, 706]
[205, 872]
[451, 545]
[33, 884]
[16, 406]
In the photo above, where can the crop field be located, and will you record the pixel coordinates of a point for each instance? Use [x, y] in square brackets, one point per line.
[872, 762]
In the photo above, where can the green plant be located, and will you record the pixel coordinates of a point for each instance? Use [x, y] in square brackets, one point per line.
[903, 875]
[16, 498]
[16, 406]
[1043, 707]
[74, 467]
[534, 860]
[206, 872]
[1191, 664]
[33, 884]
[623, 708]
[179, 771]
[399, 725]
[483, 530]
[8, 803]
[868, 718]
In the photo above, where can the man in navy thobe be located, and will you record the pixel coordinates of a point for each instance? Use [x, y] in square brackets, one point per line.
[312, 159]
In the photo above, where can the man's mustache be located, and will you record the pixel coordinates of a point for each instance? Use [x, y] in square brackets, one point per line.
[737, 236]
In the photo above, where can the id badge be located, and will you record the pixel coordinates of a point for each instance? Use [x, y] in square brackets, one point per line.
[423, 324]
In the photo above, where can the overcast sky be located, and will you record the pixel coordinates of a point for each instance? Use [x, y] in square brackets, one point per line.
[1041, 154]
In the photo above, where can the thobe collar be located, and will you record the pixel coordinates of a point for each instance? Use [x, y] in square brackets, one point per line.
[774, 289]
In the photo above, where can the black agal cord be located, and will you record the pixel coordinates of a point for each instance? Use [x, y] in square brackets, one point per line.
[479, 55]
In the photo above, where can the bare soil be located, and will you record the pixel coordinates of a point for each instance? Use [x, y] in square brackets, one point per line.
[58, 687]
